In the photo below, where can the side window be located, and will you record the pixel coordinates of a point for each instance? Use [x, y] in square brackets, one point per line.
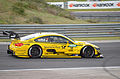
[42, 39]
[54, 39]
[58, 39]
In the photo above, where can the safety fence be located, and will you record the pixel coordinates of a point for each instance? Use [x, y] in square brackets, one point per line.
[70, 30]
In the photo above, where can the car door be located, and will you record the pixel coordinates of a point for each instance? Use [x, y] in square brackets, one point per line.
[50, 44]
[63, 45]
[57, 44]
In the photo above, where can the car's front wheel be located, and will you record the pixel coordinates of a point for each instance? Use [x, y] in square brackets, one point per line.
[87, 52]
[35, 52]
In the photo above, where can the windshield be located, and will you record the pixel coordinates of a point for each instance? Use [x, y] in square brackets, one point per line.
[69, 38]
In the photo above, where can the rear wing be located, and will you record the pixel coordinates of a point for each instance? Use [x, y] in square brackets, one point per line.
[11, 34]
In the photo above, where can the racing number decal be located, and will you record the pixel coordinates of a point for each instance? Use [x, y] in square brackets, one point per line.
[71, 48]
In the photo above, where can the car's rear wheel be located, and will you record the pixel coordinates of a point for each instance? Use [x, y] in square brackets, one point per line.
[87, 52]
[35, 52]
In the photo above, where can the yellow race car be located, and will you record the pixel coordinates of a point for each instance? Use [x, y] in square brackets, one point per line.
[50, 45]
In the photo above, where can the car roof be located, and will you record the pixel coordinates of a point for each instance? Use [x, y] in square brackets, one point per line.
[50, 33]
[37, 35]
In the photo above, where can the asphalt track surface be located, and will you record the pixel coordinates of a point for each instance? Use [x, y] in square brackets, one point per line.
[102, 16]
[111, 52]
[96, 13]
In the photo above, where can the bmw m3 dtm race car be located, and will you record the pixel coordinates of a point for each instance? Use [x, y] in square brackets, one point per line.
[50, 45]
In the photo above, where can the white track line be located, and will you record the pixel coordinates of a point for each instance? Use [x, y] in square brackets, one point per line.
[81, 68]
[4, 43]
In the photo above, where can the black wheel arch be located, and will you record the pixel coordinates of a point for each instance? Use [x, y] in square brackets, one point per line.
[33, 46]
[87, 46]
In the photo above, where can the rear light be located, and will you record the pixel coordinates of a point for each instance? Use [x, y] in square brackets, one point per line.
[19, 44]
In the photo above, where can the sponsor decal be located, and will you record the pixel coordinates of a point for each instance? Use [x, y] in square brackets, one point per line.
[71, 5]
[93, 5]
[103, 4]
[79, 5]
[52, 47]
[71, 49]
[118, 4]
[63, 47]
[87, 5]
[72, 45]
[58, 4]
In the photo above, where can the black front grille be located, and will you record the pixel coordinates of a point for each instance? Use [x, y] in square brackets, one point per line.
[8, 46]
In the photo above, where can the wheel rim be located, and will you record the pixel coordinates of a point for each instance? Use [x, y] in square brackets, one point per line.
[88, 52]
[35, 52]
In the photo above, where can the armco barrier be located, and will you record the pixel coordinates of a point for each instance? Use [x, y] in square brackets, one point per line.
[71, 30]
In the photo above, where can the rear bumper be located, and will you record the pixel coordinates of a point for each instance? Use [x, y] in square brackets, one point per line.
[9, 51]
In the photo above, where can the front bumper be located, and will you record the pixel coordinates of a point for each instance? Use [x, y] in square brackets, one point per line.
[9, 51]
[99, 55]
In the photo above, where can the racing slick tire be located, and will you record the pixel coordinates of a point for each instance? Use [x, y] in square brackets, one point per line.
[35, 52]
[87, 52]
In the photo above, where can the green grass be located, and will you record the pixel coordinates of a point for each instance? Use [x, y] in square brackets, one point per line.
[62, 0]
[80, 39]
[107, 22]
[37, 12]
[52, 19]
[5, 40]
[71, 0]
[34, 12]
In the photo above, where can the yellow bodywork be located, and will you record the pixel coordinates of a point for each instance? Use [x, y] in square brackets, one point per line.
[64, 50]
